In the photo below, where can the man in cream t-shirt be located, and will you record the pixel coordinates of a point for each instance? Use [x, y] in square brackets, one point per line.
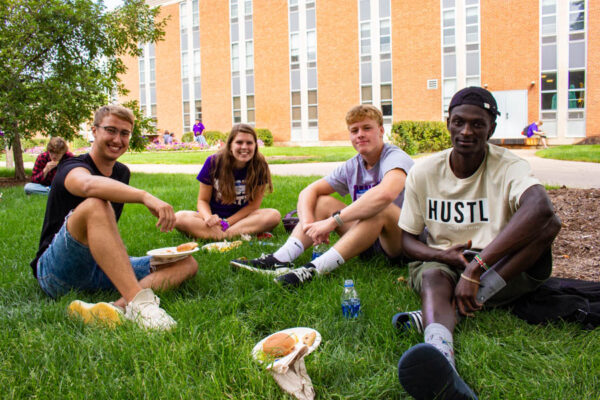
[490, 226]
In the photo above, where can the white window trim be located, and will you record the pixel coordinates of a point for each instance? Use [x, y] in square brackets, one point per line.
[304, 133]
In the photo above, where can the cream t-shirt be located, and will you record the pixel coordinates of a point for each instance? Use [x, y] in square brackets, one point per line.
[456, 210]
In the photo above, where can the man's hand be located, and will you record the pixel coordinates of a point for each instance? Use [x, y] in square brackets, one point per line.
[161, 210]
[465, 294]
[49, 167]
[454, 255]
[319, 231]
[212, 220]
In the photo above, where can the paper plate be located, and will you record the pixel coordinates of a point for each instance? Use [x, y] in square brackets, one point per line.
[221, 247]
[299, 332]
[166, 253]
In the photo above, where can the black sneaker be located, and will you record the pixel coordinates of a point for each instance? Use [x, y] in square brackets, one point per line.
[298, 276]
[425, 373]
[265, 264]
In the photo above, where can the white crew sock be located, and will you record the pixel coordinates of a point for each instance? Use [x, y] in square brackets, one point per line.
[440, 337]
[291, 250]
[490, 284]
[328, 261]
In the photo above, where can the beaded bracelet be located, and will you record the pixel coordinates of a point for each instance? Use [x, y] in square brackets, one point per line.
[470, 280]
[224, 225]
[481, 263]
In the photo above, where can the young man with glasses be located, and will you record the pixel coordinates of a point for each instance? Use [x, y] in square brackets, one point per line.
[80, 245]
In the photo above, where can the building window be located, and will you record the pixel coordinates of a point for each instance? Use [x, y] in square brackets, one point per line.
[242, 61]
[577, 59]
[549, 64]
[189, 21]
[303, 70]
[375, 51]
[147, 81]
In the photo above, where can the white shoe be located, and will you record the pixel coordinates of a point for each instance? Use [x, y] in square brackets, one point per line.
[144, 310]
[104, 313]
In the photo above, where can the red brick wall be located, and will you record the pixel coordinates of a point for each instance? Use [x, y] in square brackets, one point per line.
[216, 65]
[416, 57]
[593, 70]
[169, 110]
[509, 53]
[337, 65]
[272, 67]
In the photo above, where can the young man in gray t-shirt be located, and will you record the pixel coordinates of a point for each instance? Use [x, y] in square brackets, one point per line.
[374, 178]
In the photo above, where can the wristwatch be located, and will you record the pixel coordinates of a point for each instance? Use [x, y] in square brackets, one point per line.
[338, 219]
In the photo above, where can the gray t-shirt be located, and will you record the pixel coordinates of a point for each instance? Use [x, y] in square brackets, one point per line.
[352, 176]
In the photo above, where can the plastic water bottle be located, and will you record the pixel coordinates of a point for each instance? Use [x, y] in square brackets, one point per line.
[350, 300]
[319, 250]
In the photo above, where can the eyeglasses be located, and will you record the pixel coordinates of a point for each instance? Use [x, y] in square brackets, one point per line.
[113, 130]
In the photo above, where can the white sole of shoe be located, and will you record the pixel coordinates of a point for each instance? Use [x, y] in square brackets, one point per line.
[273, 272]
[103, 313]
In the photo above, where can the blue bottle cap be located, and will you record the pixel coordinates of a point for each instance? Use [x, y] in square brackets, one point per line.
[348, 283]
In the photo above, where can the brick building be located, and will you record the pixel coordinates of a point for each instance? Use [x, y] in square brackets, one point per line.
[296, 66]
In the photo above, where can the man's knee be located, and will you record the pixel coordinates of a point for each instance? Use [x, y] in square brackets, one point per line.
[433, 279]
[94, 207]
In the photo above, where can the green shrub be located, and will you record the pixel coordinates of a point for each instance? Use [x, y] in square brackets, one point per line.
[266, 136]
[187, 137]
[420, 136]
[213, 137]
[79, 142]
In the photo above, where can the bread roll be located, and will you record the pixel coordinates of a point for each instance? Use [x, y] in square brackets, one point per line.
[279, 344]
[187, 246]
[309, 338]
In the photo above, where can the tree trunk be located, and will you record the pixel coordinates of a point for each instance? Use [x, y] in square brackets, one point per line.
[18, 157]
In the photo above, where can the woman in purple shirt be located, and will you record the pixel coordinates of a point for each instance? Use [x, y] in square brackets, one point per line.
[232, 185]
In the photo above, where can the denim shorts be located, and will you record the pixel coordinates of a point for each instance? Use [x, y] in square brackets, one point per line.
[68, 264]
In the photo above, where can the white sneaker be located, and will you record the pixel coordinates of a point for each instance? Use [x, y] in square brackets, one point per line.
[104, 313]
[144, 310]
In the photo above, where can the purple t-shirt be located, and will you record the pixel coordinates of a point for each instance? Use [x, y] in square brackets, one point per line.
[241, 199]
[352, 176]
[532, 129]
[198, 129]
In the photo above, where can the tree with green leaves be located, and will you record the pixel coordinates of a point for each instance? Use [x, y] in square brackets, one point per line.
[61, 60]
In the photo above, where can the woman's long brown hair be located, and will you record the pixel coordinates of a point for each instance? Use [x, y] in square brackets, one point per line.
[258, 170]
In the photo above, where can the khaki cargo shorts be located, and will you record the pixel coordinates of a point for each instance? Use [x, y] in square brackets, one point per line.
[520, 285]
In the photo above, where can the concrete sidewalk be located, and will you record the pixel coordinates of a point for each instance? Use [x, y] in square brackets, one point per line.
[573, 174]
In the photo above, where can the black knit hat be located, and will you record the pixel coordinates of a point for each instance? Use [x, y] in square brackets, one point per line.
[476, 96]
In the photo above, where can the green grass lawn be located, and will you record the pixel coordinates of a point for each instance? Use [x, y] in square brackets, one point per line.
[589, 153]
[222, 313]
[275, 155]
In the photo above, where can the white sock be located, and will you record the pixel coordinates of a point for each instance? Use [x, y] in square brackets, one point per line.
[328, 261]
[440, 337]
[491, 283]
[291, 250]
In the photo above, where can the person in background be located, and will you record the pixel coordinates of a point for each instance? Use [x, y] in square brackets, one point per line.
[167, 137]
[198, 134]
[45, 166]
[534, 130]
[232, 186]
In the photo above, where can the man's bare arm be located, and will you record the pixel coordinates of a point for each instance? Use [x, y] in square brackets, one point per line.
[80, 182]
[377, 198]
